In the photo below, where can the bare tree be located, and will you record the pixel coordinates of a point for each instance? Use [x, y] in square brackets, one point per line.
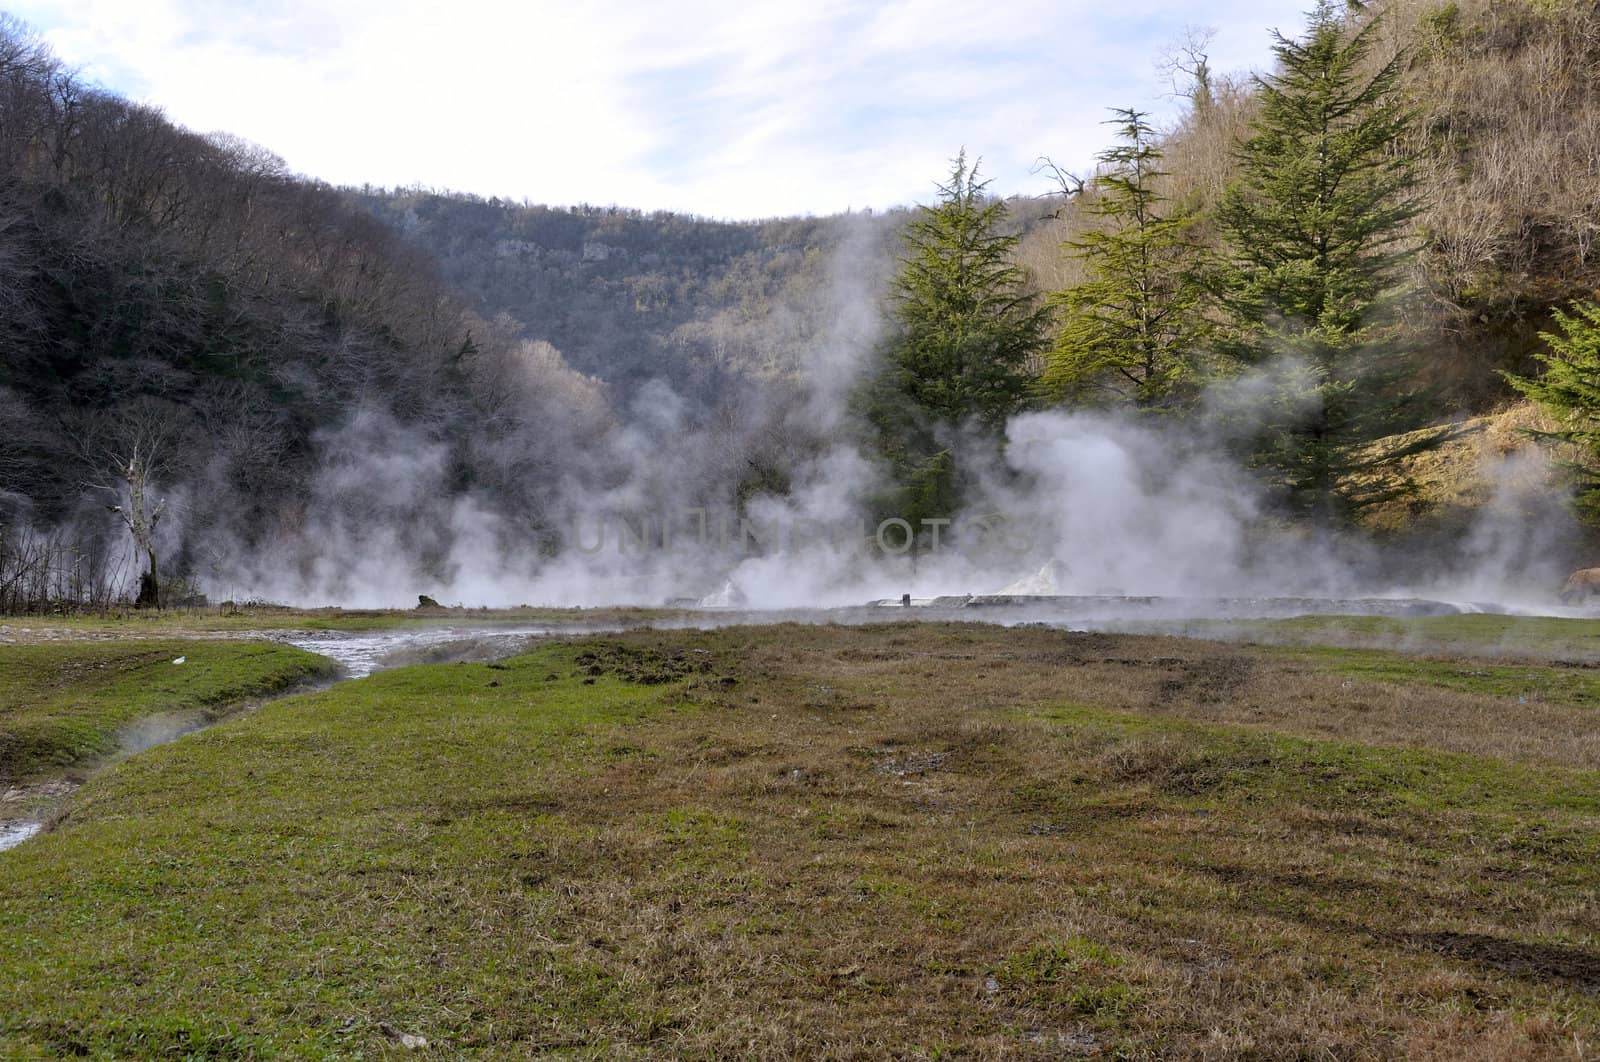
[1067, 184]
[134, 444]
[142, 519]
[1187, 63]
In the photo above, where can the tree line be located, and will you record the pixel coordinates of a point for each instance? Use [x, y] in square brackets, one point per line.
[183, 320]
[1292, 282]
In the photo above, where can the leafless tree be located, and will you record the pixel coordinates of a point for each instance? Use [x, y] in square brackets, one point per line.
[142, 517]
[1068, 185]
[1186, 62]
[133, 447]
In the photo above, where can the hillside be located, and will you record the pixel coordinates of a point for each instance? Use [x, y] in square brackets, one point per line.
[1492, 460]
[1507, 140]
[331, 388]
[630, 297]
[284, 373]
[185, 298]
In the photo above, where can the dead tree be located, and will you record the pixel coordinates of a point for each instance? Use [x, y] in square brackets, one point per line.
[132, 445]
[1187, 63]
[142, 519]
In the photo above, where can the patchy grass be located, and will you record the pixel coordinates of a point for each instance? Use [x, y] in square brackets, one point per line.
[1075, 976]
[1539, 638]
[904, 840]
[1565, 685]
[62, 705]
[156, 623]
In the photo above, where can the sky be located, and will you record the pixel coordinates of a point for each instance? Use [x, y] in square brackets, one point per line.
[724, 108]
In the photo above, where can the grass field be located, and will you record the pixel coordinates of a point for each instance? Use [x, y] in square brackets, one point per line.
[63, 705]
[133, 623]
[901, 840]
[1533, 638]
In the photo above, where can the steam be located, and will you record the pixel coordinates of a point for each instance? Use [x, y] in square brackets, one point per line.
[1130, 510]
[575, 502]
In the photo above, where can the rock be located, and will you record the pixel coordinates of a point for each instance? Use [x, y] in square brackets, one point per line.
[409, 1041]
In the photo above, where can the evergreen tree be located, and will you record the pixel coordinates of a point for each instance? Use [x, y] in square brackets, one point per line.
[1315, 225]
[968, 334]
[1569, 391]
[969, 329]
[1133, 327]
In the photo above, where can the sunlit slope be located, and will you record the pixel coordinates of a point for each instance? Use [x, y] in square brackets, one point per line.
[1489, 461]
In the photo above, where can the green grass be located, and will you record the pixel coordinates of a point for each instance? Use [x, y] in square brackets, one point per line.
[154, 623]
[1575, 686]
[665, 844]
[63, 704]
[283, 882]
[1076, 974]
[1543, 637]
[1190, 760]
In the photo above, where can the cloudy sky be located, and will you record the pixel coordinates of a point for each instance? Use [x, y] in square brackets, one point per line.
[728, 108]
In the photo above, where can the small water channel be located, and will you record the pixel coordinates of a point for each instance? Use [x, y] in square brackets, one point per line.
[25, 809]
[359, 654]
[14, 833]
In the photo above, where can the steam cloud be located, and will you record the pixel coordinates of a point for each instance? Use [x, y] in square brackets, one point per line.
[1074, 503]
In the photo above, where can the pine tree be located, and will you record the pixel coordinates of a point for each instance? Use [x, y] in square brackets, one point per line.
[968, 332]
[1569, 392]
[1316, 225]
[970, 329]
[1133, 327]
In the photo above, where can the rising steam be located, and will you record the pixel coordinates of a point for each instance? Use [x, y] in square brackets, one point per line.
[639, 505]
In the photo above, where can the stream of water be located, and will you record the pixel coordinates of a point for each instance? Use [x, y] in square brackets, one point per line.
[360, 654]
[357, 654]
[14, 833]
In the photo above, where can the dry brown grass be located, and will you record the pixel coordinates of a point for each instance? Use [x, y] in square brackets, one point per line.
[874, 845]
[902, 840]
[1491, 462]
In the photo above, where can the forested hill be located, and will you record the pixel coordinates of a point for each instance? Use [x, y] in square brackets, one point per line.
[628, 296]
[181, 314]
[1504, 138]
[281, 365]
[302, 374]
[156, 282]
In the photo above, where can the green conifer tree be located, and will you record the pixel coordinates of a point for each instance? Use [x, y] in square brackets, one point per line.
[969, 328]
[968, 334]
[1569, 392]
[1316, 226]
[1132, 329]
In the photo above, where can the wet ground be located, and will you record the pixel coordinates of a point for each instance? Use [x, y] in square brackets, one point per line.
[14, 833]
[1094, 609]
[24, 809]
[360, 654]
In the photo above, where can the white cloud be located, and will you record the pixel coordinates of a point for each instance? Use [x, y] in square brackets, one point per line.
[724, 107]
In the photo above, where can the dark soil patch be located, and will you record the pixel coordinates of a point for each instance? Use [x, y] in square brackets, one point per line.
[642, 664]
